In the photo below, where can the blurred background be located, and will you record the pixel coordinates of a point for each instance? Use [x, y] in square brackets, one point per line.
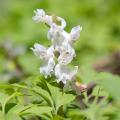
[98, 46]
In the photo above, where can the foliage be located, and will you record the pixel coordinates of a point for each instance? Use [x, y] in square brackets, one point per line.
[43, 99]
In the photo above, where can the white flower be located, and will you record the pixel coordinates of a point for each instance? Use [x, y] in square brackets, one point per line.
[75, 33]
[65, 74]
[42, 52]
[55, 35]
[62, 42]
[54, 32]
[67, 54]
[40, 16]
[47, 67]
[39, 50]
[47, 56]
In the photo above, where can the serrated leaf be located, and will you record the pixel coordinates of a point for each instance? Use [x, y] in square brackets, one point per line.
[44, 94]
[59, 97]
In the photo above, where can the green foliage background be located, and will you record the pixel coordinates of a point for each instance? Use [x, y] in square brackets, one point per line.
[100, 20]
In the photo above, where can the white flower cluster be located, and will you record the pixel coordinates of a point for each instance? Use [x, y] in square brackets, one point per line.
[62, 44]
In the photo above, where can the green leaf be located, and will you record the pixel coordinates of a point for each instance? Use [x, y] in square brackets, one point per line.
[19, 108]
[30, 109]
[37, 110]
[37, 89]
[59, 97]
[12, 116]
[4, 99]
[44, 94]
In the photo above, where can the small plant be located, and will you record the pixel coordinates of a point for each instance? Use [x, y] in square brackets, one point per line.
[61, 91]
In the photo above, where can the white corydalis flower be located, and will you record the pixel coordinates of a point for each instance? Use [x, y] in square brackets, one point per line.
[40, 16]
[65, 74]
[67, 53]
[62, 43]
[74, 35]
[55, 32]
[40, 51]
[55, 35]
[48, 58]
[47, 67]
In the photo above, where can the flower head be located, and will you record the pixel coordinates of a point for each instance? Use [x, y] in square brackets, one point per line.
[62, 43]
[48, 58]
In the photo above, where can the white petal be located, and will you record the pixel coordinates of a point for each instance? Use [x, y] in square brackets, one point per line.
[39, 50]
[42, 52]
[48, 20]
[66, 55]
[50, 51]
[40, 12]
[39, 15]
[55, 31]
[75, 32]
[64, 74]
[47, 67]
[57, 70]
[55, 35]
